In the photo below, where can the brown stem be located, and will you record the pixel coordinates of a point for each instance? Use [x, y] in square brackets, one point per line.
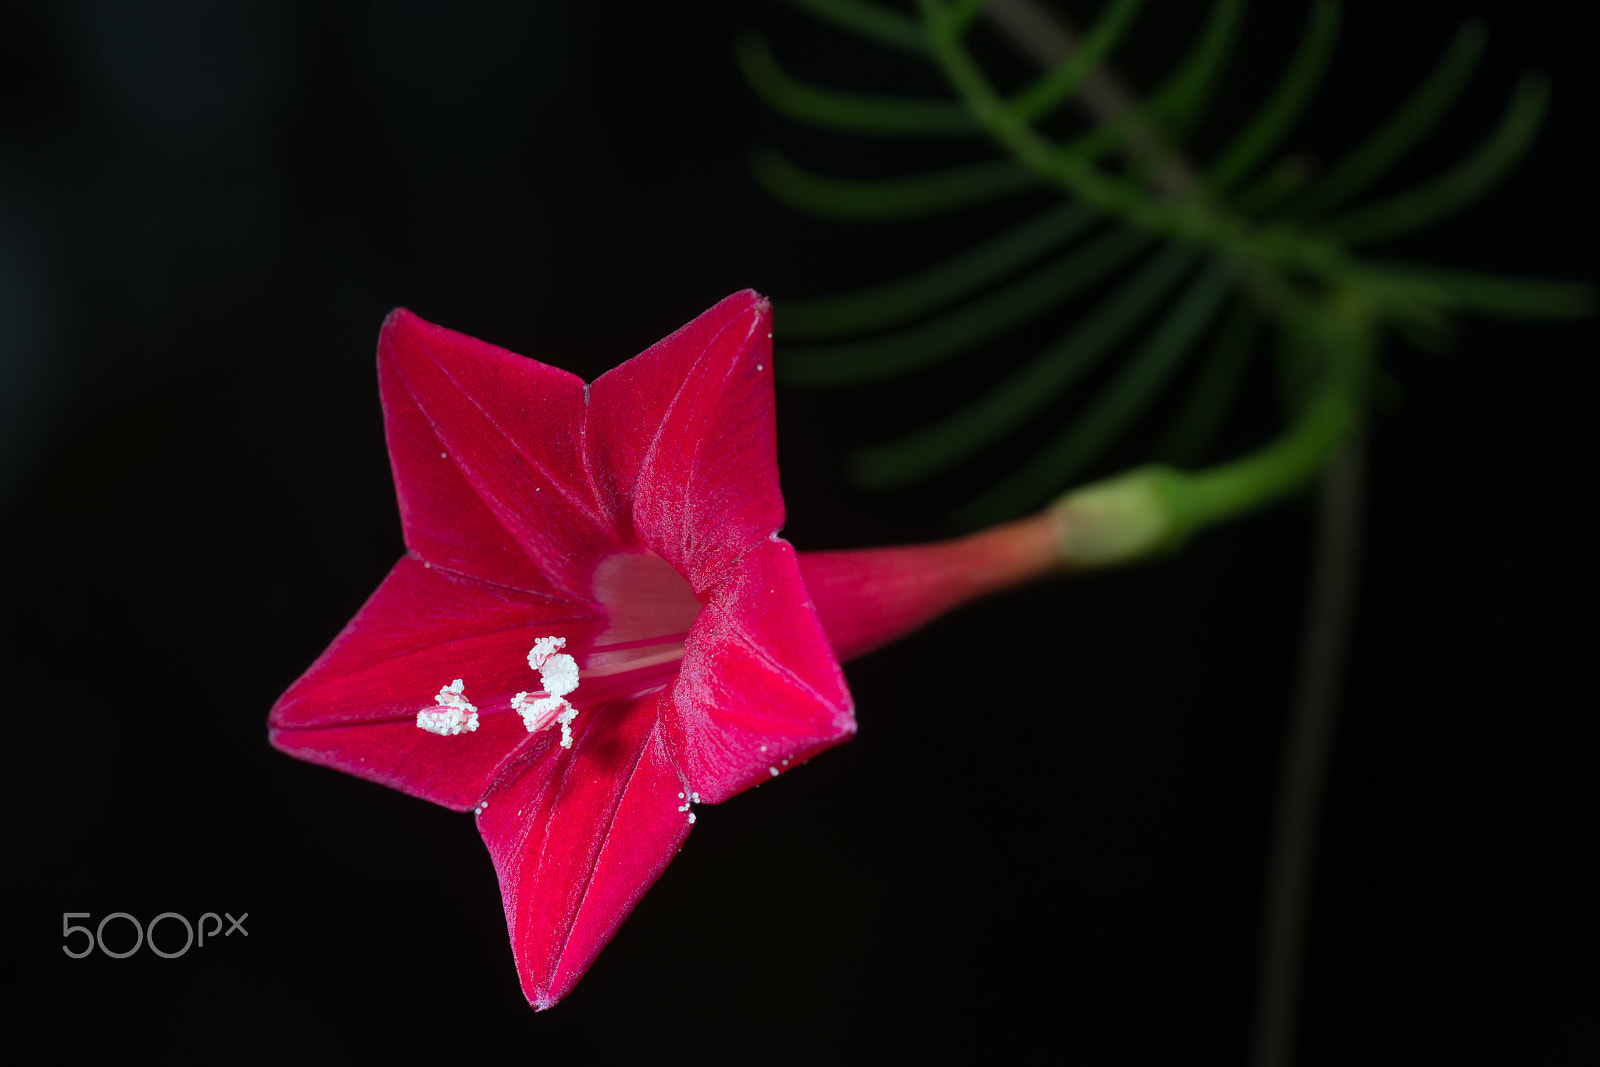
[1049, 40]
[1307, 746]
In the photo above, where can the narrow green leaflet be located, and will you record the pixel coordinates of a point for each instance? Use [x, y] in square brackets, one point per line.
[846, 112]
[889, 198]
[1185, 99]
[962, 12]
[1177, 102]
[960, 276]
[1065, 457]
[1284, 104]
[1456, 188]
[966, 327]
[1030, 388]
[1043, 96]
[869, 20]
[1372, 159]
[1487, 294]
[1207, 405]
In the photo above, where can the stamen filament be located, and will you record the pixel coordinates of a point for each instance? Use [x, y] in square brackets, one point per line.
[672, 655]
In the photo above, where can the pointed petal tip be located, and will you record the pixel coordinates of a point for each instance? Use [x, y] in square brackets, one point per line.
[400, 319]
[746, 302]
[753, 298]
[398, 326]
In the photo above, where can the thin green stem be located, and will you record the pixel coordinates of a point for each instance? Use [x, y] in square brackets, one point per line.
[1231, 489]
[1154, 510]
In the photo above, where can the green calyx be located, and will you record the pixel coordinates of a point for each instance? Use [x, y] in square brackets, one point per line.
[1143, 512]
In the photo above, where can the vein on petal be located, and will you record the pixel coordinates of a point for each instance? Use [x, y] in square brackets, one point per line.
[778, 668]
[460, 575]
[533, 462]
[497, 507]
[605, 839]
[648, 461]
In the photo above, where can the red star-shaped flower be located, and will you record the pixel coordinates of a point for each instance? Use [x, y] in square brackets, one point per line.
[595, 624]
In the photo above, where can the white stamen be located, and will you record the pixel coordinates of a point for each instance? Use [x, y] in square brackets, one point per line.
[774, 771]
[543, 649]
[691, 817]
[565, 719]
[455, 714]
[538, 712]
[559, 675]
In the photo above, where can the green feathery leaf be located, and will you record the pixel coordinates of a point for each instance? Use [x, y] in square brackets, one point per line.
[1284, 104]
[889, 198]
[966, 327]
[1456, 188]
[1091, 432]
[1325, 303]
[960, 276]
[1387, 145]
[847, 112]
[1031, 387]
[1042, 97]
[871, 21]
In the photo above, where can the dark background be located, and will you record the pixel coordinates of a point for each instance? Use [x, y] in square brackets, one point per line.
[205, 211]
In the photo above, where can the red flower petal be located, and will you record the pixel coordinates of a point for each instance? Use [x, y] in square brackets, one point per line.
[682, 441]
[487, 453]
[759, 690]
[356, 708]
[578, 836]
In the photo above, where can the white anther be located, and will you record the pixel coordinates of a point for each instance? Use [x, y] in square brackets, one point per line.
[455, 714]
[543, 649]
[559, 675]
[538, 712]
